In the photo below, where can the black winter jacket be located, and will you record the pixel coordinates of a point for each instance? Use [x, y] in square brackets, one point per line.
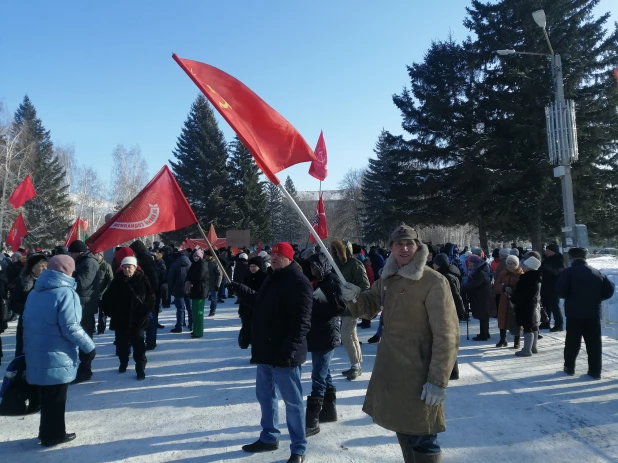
[240, 271]
[453, 281]
[87, 275]
[480, 294]
[282, 318]
[161, 270]
[177, 276]
[551, 268]
[128, 301]
[527, 299]
[19, 292]
[583, 288]
[146, 262]
[248, 291]
[4, 309]
[328, 306]
[198, 277]
[13, 272]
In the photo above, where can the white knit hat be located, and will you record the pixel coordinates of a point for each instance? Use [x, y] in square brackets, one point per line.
[532, 263]
[129, 260]
[513, 259]
[243, 256]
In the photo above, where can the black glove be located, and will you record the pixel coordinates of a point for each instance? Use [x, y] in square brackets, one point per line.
[233, 284]
[92, 354]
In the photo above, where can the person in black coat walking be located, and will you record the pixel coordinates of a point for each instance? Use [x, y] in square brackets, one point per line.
[281, 321]
[197, 287]
[176, 279]
[583, 289]
[247, 290]
[128, 301]
[481, 295]
[240, 271]
[323, 337]
[551, 268]
[146, 262]
[527, 301]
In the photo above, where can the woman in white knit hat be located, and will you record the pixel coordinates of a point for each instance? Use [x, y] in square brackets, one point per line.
[128, 301]
[527, 301]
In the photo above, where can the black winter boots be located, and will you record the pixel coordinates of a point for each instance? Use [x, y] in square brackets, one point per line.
[329, 407]
[314, 407]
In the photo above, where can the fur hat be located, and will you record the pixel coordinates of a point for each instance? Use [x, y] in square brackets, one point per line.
[553, 247]
[285, 249]
[534, 254]
[129, 260]
[513, 259]
[34, 259]
[578, 253]
[404, 232]
[78, 246]
[441, 260]
[62, 263]
[532, 263]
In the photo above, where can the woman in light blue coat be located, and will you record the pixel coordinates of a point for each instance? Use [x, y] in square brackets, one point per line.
[52, 337]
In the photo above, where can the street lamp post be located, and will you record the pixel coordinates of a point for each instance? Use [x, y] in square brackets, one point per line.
[561, 138]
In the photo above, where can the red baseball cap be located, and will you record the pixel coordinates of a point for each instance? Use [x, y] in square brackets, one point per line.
[285, 249]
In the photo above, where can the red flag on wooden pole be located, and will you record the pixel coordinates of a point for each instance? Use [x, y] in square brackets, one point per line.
[23, 193]
[73, 233]
[16, 233]
[159, 207]
[319, 222]
[274, 143]
[318, 167]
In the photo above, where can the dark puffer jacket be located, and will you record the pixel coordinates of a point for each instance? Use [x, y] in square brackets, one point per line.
[328, 306]
[451, 273]
[527, 299]
[480, 293]
[583, 289]
[19, 292]
[282, 318]
[248, 290]
[177, 276]
[240, 270]
[87, 276]
[128, 301]
[198, 277]
[551, 268]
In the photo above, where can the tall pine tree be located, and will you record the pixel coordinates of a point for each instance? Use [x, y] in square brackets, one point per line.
[291, 226]
[49, 214]
[249, 192]
[202, 173]
[274, 200]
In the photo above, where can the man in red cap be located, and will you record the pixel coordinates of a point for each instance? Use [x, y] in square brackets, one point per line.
[281, 321]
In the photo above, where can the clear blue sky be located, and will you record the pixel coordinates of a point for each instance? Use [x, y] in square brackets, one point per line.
[101, 73]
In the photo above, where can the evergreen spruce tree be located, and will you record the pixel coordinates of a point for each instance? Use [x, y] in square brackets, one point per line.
[292, 227]
[48, 215]
[274, 201]
[202, 173]
[249, 192]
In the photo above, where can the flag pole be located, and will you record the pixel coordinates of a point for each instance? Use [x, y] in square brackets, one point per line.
[311, 230]
[214, 254]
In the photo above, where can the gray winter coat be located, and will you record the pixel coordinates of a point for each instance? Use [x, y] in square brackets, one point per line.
[87, 276]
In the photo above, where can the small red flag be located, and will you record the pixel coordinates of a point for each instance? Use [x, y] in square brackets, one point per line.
[158, 208]
[319, 221]
[23, 193]
[73, 233]
[259, 248]
[212, 234]
[318, 167]
[273, 141]
[616, 76]
[16, 233]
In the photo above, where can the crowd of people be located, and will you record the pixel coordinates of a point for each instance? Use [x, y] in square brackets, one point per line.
[292, 303]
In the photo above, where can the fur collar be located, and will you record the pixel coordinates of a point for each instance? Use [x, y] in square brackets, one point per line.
[413, 271]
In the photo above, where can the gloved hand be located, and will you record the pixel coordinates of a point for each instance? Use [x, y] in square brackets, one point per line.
[350, 292]
[233, 284]
[433, 395]
[508, 290]
[92, 354]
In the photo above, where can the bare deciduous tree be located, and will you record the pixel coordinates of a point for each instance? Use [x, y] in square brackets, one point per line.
[129, 174]
[348, 212]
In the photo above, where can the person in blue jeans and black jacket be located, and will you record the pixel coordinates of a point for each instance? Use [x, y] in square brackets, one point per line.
[322, 339]
[281, 321]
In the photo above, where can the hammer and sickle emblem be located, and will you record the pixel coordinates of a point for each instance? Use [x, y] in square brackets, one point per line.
[224, 104]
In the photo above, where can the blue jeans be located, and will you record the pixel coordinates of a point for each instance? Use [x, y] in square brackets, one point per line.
[420, 444]
[269, 379]
[182, 303]
[212, 295]
[320, 373]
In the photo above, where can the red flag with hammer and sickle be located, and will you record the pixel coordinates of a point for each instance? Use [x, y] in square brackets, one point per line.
[319, 222]
[274, 143]
[318, 167]
[16, 233]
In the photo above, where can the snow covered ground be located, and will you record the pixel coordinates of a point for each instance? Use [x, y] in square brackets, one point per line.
[198, 404]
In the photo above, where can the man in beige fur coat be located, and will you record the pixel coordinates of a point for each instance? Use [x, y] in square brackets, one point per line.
[418, 349]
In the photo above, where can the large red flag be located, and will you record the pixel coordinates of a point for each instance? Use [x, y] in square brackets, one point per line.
[318, 167]
[273, 141]
[73, 233]
[24, 192]
[158, 208]
[319, 221]
[16, 233]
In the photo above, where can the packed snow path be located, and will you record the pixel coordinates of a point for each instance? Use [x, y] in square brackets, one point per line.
[198, 404]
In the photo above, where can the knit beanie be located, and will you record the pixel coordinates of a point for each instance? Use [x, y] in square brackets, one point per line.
[477, 251]
[122, 253]
[199, 253]
[534, 254]
[532, 263]
[285, 249]
[62, 263]
[467, 253]
[504, 253]
[129, 260]
[257, 260]
[514, 252]
[578, 253]
[441, 260]
[553, 247]
[243, 256]
[474, 259]
[78, 246]
[513, 259]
